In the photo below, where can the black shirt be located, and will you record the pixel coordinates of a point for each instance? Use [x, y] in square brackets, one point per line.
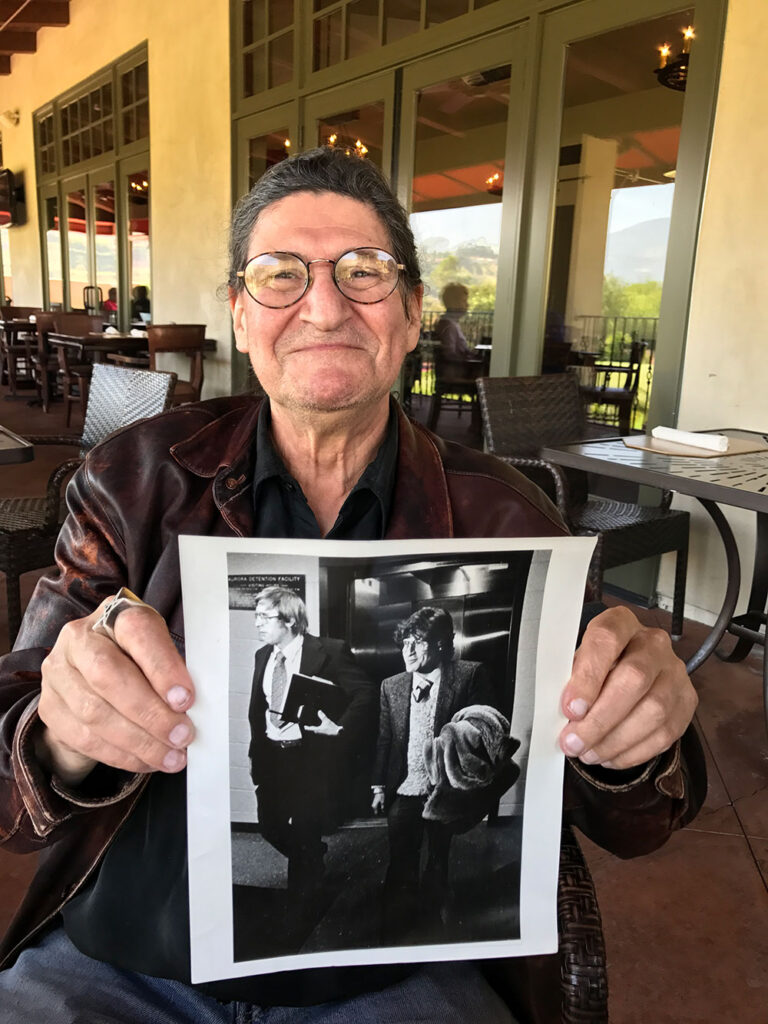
[133, 912]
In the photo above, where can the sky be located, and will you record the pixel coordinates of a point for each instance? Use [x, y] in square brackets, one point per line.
[629, 206]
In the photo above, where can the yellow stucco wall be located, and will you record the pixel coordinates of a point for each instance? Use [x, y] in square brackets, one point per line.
[725, 378]
[190, 148]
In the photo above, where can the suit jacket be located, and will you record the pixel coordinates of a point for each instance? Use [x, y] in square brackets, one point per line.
[331, 659]
[462, 683]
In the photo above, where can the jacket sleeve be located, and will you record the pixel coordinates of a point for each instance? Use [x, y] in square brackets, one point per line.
[384, 740]
[634, 812]
[36, 808]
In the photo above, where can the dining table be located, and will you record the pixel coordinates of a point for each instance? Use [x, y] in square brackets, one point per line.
[96, 346]
[738, 479]
[14, 448]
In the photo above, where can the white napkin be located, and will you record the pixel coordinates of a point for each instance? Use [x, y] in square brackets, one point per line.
[713, 442]
[136, 332]
[111, 330]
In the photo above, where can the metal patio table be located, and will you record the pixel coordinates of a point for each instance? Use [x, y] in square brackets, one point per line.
[14, 448]
[737, 480]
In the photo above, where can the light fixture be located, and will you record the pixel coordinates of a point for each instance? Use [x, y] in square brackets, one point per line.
[494, 185]
[356, 148]
[10, 118]
[672, 72]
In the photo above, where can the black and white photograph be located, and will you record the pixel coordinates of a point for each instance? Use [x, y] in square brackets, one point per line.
[378, 783]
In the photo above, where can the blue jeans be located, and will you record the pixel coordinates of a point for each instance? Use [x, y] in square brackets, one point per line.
[54, 981]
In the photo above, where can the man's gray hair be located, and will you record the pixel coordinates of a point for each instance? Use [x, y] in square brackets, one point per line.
[288, 605]
[325, 169]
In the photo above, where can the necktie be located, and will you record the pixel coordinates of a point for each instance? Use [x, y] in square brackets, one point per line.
[422, 692]
[279, 683]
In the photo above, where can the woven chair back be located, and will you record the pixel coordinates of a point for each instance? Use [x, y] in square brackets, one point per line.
[120, 395]
[521, 415]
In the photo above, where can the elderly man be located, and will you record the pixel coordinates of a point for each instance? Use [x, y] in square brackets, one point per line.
[294, 766]
[414, 707]
[326, 296]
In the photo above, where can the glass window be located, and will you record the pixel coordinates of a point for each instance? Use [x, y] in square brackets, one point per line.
[264, 151]
[458, 180]
[254, 67]
[254, 21]
[280, 15]
[106, 246]
[619, 140]
[359, 131]
[139, 245]
[362, 27]
[401, 18]
[281, 60]
[77, 247]
[439, 11]
[53, 252]
[327, 48]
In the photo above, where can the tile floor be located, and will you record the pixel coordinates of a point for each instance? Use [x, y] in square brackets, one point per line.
[686, 927]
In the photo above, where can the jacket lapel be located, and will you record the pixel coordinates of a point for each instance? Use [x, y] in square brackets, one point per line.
[421, 490]
[445, 696]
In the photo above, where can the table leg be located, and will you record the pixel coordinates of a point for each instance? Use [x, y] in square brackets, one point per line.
[731, 591]
[755, 615]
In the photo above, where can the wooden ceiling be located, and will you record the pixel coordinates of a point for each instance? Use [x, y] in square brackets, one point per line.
[20, 21]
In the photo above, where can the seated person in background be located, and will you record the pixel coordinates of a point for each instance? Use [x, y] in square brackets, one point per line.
[447, 330]
[94, 726]
[140, 302]
[110, 303]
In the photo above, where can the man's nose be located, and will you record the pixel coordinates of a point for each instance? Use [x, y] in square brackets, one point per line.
[323, 305]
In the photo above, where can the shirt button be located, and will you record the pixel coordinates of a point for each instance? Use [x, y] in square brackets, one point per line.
[289, 486]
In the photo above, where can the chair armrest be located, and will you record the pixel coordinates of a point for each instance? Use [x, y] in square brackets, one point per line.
[53, 489]
[583, 975]
[139, 360]
[558, 476]
[53, 439]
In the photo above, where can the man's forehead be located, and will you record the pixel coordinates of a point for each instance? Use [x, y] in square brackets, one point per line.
[308, 220]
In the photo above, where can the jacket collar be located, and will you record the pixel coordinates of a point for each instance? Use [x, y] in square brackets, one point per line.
[222, 450]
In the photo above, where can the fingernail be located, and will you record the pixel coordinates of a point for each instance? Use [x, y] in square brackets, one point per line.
[179, 735]
[578, 707]
[177, 697]
[174, 760]
[573, 744]
[590, 757]
[607, 764]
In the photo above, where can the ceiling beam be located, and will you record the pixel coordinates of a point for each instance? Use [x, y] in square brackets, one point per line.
[18, 42]
[37, 14]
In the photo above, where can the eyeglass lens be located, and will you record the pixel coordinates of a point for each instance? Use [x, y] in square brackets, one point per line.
[262, 615]
[278, 279]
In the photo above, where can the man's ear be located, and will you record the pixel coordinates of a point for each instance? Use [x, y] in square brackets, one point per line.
[413, 314]
[237, 306]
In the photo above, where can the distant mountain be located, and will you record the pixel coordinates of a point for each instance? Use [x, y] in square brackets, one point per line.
[638, 253]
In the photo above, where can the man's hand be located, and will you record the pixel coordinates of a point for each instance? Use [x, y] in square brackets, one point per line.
[119, 705]
[327, 727]
[629, 696]
[377, 804]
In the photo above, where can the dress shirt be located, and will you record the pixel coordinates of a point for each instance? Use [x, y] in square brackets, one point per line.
[292, 653]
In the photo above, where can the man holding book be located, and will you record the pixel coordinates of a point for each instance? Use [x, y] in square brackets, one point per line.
[294, 767]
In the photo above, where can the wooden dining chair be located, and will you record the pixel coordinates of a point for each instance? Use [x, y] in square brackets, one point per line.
[29, 526]
[184, 340]
[45, 363]
[15, 354]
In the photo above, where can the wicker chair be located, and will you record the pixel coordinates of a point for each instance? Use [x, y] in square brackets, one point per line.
[571, 988]
[521, 415]
[29, 526]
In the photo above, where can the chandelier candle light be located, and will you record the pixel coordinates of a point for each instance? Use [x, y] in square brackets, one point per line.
[673, 73]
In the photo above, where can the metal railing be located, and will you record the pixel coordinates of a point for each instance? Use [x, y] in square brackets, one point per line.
[609, 339]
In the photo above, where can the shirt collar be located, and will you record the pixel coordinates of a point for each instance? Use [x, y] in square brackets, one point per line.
[377, 477]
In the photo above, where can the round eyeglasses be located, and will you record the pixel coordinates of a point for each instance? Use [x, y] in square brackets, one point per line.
[280, 279]
[263, 617]
[414, 642]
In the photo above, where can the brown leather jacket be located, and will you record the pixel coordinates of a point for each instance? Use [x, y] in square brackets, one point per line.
[189, 471]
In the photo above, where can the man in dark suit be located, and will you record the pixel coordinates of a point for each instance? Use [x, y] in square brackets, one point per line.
[294, 767]
[415, 705]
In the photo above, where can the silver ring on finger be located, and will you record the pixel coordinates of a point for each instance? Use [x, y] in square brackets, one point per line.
[124, 598]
